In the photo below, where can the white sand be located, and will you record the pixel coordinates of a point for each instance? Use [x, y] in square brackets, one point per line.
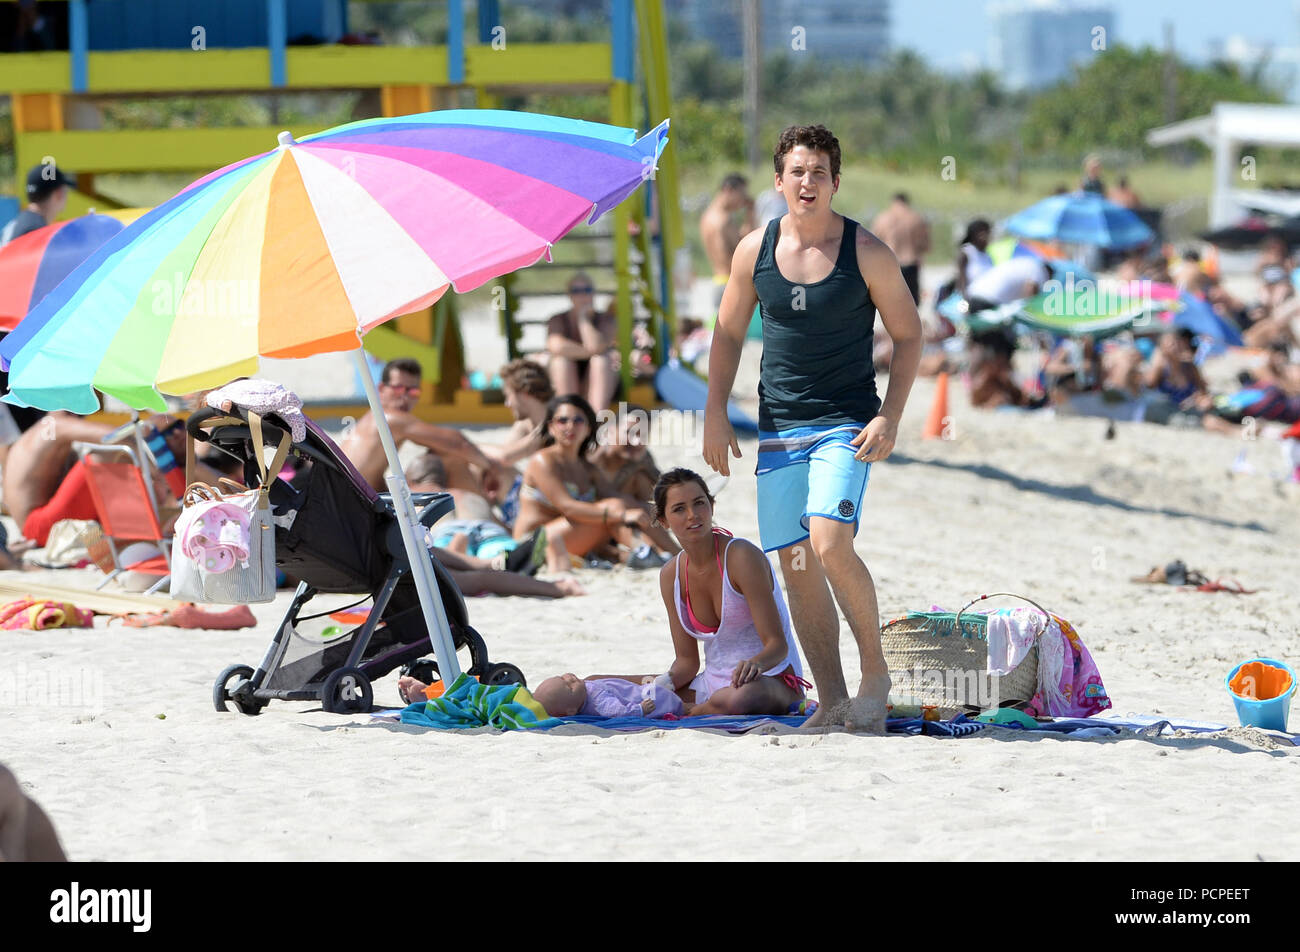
[1044, 507]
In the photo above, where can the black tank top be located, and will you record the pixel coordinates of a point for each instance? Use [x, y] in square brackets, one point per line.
[817, 368]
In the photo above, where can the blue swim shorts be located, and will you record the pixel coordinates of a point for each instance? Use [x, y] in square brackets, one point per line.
[803, 472]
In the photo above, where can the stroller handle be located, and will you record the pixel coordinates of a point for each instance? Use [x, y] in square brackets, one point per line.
[271, 434]
[194, 425]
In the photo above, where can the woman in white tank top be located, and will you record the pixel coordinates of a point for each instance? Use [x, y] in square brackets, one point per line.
[721, 592]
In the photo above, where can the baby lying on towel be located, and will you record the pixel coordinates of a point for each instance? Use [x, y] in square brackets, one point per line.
[566, 695]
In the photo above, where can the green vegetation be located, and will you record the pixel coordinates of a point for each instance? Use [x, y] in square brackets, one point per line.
[903, 113]
[1122, 94]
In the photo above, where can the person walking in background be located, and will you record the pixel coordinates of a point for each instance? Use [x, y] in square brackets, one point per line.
[907, 234]
[972, 254]
[720, 232]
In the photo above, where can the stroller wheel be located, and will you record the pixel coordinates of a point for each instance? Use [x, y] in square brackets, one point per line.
[221, 691]
[346, 691]
[504, 673]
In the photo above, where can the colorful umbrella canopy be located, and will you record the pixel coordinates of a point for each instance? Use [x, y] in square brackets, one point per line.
[32, 265]
[1072, 304]
[1201, 319]
[302, 249]
[1004, 249]
[1080, 218]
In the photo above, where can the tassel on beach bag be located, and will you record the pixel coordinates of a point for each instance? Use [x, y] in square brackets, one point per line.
[224, 549]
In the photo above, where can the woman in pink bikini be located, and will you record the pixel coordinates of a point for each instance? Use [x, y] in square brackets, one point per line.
[721, 592]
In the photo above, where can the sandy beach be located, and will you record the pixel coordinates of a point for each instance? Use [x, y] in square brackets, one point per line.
[142, 768]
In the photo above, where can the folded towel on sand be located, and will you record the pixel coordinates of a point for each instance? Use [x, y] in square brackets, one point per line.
[37, 614]
[467, 703]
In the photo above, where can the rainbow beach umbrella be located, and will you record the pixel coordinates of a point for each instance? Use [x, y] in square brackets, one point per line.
[302, 249]
[32, 265]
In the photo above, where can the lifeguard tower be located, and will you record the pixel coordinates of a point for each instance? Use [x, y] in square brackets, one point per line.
[132, 48]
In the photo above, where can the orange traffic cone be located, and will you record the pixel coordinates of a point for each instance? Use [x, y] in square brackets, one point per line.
[1210, 262]
[938, 410]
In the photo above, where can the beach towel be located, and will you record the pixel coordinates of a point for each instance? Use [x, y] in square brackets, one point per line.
[38, 614]
[1069, 684]
[467, 703]
[1011, 633]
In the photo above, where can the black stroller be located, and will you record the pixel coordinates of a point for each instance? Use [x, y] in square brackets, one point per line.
[336, 535]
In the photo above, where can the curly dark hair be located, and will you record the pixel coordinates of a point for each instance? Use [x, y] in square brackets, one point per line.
[526, 376]
[676, 477]
[818, 138]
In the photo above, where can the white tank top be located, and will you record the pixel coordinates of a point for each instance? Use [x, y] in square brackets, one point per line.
[977, 262]
[736, 638]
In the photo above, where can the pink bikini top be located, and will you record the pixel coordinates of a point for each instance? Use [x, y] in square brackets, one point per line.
[686, 583]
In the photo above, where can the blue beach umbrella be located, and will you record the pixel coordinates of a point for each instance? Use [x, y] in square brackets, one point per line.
[1080, 218]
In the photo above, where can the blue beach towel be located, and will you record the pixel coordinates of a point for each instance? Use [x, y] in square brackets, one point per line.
[468, 704]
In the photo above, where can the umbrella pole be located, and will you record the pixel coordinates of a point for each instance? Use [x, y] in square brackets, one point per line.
[426, 583]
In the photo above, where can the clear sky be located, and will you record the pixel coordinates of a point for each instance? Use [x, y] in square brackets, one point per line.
[955, 34]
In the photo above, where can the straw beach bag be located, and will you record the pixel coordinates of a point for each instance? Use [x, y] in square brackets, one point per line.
[940, 659]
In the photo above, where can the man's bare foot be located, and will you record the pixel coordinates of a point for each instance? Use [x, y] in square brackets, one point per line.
[828, 714]
[866, 713]
[411, 689]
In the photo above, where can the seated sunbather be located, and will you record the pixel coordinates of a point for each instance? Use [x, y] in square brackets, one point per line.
[44, 482]
[1272, 393]
[473, 532]
[624, 460]
[38, 462]
[399, 390]
[722, 592]
[992, 380]
[501, 567]
[1173, 371]
[582, 513]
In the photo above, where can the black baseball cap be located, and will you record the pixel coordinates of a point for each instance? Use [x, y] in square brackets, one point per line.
[43, 179]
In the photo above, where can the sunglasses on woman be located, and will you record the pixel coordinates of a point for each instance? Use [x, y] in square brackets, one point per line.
[566, 420]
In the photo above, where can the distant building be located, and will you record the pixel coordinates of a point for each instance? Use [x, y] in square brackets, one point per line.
[856, 31]
[1037, 42]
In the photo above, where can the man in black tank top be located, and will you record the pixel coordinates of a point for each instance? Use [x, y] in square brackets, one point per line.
[818, 278]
